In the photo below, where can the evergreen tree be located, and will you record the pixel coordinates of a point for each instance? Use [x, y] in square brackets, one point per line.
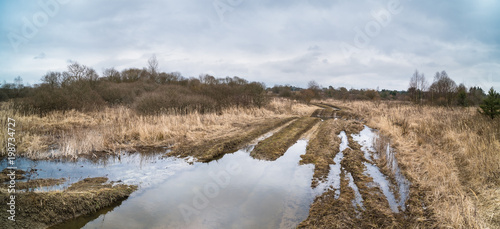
[491, 104]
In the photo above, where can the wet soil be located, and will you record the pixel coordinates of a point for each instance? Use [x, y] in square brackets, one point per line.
[216, 148]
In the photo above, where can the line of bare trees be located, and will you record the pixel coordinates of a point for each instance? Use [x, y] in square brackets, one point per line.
[146, 90]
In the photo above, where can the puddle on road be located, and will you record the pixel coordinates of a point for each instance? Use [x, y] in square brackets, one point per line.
[139, 169]
[402, 183]
[358, 199]
[383, 183]
[333, 179]
[236, 191]
[366, 139]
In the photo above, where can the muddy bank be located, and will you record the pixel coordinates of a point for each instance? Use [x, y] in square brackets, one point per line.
[275, 146]
[43, 209]
[216, 148]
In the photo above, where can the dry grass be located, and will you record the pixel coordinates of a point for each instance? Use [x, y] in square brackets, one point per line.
[68, 134]
[451, 154]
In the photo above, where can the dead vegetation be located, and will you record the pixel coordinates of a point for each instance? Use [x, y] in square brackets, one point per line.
[72, 133]
[43, 209]
[275, 146]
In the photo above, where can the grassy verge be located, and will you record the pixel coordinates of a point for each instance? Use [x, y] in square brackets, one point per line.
[43, 209]
[275, 146]
[215, 149]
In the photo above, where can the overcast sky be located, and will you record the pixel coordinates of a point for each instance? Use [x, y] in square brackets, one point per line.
[354, 44]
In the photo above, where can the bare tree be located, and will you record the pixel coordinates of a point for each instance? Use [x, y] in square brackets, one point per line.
[418, 85]
[443, 89]
[53, 79]
[112, 75]
[315, 88]
[153, 66]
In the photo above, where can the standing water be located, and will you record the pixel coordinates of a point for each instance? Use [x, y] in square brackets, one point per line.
[236, 191]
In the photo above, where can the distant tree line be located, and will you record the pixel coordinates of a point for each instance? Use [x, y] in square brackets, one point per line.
[443, 91]
[314, 91]
[146, 90]
[150, 91]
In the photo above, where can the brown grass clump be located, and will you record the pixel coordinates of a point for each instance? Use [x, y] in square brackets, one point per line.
[72, 133]
[43, 209]
[450, 155]
[275, 146]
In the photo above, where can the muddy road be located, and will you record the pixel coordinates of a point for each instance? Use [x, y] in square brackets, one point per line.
[328, 170]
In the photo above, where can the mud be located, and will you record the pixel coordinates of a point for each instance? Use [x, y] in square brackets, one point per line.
[366, 189]
[215, 149]
[275, 146]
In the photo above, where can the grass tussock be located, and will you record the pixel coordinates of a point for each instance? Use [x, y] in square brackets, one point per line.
[43, 209]
[72, 133]
[450, 155]
[275, 146]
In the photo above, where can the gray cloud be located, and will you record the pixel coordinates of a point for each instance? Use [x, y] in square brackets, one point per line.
[276, 42]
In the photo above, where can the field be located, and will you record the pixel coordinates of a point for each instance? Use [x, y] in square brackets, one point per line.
[450, 156]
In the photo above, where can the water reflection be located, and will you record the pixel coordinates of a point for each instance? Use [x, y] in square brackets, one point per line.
[236, 191]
